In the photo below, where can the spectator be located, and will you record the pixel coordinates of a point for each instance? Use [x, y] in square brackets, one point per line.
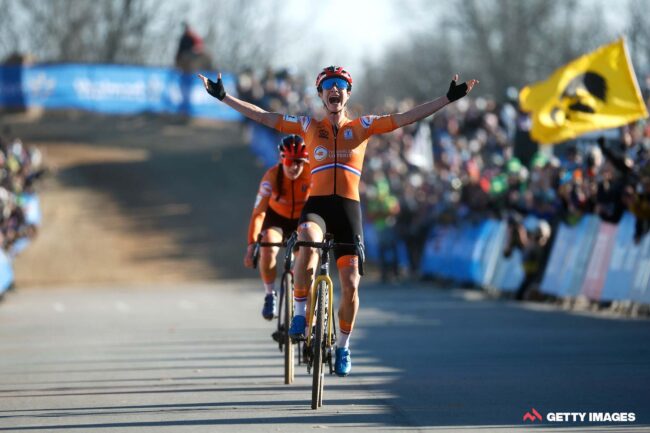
[191, 55]
[381, 209]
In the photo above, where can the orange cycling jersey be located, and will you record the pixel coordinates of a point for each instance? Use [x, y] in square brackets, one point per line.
[286, 199]
[336, 155]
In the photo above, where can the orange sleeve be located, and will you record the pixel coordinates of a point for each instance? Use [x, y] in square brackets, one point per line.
[261, 204]
[378, 124]
[293, 124]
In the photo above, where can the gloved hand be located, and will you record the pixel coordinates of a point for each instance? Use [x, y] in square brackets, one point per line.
[456, 91]
[214, 89]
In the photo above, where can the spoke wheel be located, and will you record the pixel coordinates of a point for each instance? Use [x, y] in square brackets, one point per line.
[287, 289]
[318, 343]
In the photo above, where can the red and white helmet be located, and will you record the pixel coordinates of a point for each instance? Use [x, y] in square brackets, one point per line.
[292, 147]
[333, 71]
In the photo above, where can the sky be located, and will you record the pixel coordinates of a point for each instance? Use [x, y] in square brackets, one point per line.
[349, 31]
[346, 31]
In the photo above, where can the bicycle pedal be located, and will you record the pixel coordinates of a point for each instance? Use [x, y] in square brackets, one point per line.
[298, 339]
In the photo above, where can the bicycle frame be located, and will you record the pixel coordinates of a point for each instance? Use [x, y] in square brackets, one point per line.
[323, 275]
[312, 306]
[321, 353]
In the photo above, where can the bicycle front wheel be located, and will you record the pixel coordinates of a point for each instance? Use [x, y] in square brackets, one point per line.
[318, 343]
[287, 288]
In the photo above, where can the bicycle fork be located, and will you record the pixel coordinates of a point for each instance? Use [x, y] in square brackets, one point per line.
[323, 275]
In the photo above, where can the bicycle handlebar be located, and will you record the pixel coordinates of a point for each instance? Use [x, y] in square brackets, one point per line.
[329, 244]
[293, 243]
[258, 244]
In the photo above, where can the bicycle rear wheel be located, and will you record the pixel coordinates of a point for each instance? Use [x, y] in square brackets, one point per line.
[287, 288]
[318, 343]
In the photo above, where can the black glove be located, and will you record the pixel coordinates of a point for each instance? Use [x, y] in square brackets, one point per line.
[216, 89]
[456, 91]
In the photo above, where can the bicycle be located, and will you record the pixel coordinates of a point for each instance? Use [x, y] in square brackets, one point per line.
[285, 306]
[319, 343]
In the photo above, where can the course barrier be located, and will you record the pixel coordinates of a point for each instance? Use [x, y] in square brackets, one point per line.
[599, 261]
[112, 89]
[592, 259]
[372, 247]
[6, 272]
[472, 254]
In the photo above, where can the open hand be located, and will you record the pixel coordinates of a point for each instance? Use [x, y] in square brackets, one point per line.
[457, 91]
[214, 89]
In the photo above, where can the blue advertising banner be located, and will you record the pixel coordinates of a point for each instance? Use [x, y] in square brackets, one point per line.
[601, 253]
[490, 247]
[576, 268]
[509, 272]
[623, 263]
[557, 260]
[465, 254]
[112, 89]
[372, 247]
[32, 207]
[435, 252]
[264, 143]
[640, 290]
[592, 257]
[494, 245]
[6, 272]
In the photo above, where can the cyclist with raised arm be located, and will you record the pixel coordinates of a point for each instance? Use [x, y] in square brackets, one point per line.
[283, 191]
[336, 147]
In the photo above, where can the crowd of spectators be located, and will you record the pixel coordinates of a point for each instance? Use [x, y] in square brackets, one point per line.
[278, 90]
[475, 160]
[483, 166]
[20, 169]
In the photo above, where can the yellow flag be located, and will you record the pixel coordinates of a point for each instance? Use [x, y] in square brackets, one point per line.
[595, 91]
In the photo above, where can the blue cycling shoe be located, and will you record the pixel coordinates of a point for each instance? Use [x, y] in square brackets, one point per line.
[269, 310]
[297, 328]
[343, 363]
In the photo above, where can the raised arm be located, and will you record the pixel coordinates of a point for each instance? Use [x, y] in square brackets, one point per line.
[246, 109]
[456, 91]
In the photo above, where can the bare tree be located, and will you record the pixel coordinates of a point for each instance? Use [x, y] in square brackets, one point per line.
[638, 35]
[502, 42]
[111, 31]
[9, 36]
[243, 33]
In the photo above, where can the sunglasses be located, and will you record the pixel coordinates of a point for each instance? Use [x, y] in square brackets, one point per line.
[340, 83]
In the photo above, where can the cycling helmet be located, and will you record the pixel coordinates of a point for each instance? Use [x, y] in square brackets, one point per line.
[292, 147]
[333, 71]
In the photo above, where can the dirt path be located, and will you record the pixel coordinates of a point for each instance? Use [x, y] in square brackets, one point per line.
[137, 200]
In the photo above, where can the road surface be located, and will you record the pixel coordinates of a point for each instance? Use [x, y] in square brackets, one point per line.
[199, 358]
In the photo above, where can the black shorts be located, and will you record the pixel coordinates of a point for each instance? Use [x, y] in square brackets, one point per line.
[337, 215]
[274, 219]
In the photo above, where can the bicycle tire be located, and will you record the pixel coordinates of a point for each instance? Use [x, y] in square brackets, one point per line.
[318, 343]
[287, 288]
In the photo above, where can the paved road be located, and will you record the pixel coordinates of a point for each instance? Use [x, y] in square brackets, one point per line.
[198, 358]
